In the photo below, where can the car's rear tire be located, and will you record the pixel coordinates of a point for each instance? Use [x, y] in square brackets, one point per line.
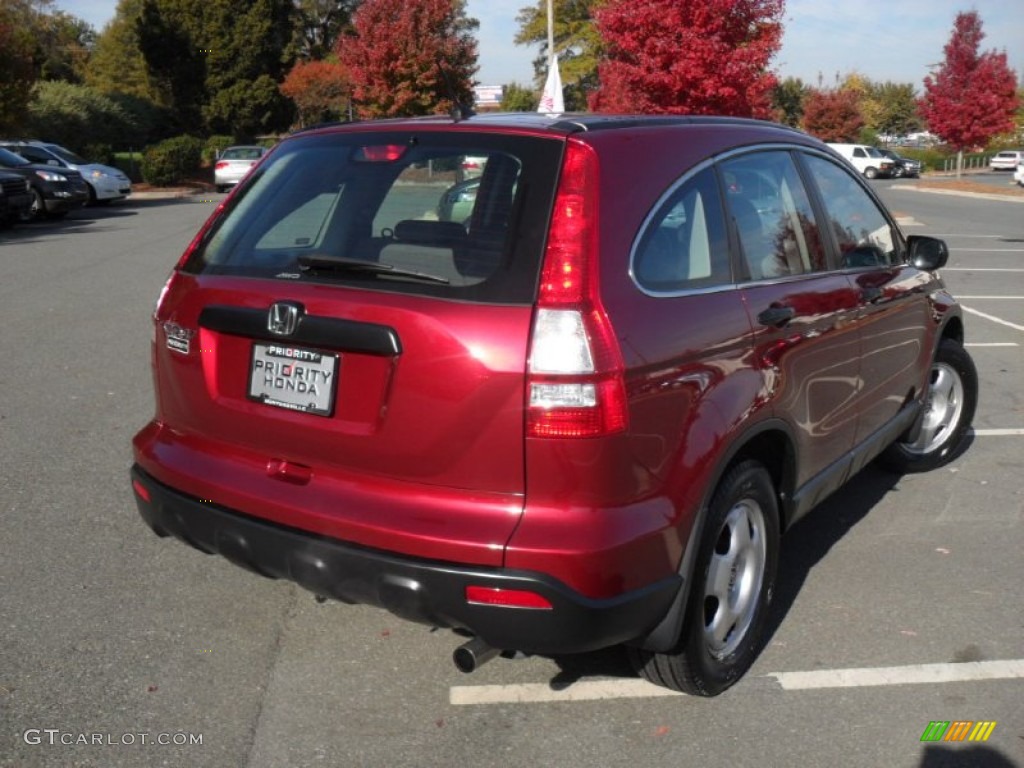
[733, 582]
[948, 411]
[871, 173]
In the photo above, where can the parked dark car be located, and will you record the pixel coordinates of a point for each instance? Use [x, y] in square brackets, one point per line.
[905, 166]
[15, 198]
[54, 191]
[104, 183]
[580, 415]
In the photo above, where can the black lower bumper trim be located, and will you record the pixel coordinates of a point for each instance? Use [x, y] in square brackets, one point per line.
[424, 591]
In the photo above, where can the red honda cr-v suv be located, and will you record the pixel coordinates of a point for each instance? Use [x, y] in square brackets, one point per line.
[567, 403]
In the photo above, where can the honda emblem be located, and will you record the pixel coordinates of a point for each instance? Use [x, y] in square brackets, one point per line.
[283, 317]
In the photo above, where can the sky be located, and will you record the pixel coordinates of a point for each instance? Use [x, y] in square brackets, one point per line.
[884, 40]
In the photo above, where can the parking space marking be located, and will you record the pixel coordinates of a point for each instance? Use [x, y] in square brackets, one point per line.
[993, 318]
[997, 432]
[864, 677]
[913, 674]
[534, 693]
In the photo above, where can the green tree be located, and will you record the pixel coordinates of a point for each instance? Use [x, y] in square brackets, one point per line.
[519, 98]
[218, 62]
[788, 101]
[78, 116]
[318, 24]
[63, 43]
[897, 108]
[117, 65]
[245, 60]
[175, 62]
[577, 43]
[16, 71]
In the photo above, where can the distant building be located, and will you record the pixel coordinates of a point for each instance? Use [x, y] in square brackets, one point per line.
[488, 97]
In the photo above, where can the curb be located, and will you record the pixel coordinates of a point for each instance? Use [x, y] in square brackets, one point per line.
[958, 193]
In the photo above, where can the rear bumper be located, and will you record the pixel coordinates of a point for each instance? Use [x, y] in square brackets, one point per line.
[423, 591]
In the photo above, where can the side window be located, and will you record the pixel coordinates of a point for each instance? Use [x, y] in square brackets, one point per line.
[772, 213]
[858, 152]
[863, 233]
[684, 246]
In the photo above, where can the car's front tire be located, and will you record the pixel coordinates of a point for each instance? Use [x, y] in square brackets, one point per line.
[733, 582]
[948, 411]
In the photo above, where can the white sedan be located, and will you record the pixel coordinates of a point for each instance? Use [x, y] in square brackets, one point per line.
[233, 163]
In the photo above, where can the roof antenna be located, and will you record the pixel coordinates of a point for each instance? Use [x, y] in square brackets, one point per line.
[460, 110]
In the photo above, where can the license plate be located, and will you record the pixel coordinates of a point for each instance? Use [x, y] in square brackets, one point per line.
[293, 377]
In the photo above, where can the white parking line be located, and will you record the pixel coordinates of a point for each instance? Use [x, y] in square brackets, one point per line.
[914, 674]
[596, 690]
[997, 432]
[994, 319]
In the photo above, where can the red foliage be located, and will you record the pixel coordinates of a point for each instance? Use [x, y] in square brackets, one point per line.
[320, 90]
[972, 96]
[688, 56]
[832, 115]
[394, 52]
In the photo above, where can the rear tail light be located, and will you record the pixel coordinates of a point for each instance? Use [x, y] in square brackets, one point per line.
[221, 165]
[575, 382]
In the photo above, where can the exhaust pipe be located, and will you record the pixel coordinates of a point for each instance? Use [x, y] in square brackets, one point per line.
[473, 654]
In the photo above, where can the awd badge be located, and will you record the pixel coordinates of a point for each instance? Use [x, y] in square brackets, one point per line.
[178, 339]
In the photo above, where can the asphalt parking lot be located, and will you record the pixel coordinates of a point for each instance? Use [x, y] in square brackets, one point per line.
[899, 599]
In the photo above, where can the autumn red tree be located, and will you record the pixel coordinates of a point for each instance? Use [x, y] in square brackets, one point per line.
[320, 90]
[972, 96]
[832, 115]
[688, 56]
[409, 58]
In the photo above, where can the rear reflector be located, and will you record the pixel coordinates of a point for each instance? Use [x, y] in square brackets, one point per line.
[507, 598]
[141, 490]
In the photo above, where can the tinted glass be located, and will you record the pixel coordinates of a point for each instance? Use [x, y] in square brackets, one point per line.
[684, 246]
[11, 160]
[401, 203]
[775, 223]
[863, 233]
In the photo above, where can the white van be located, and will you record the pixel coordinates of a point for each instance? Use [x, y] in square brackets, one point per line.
[867, 160]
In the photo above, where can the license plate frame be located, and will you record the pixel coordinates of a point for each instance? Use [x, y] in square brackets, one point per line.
[293, 378]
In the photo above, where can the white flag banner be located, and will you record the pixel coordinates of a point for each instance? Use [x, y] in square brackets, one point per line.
[552, 102]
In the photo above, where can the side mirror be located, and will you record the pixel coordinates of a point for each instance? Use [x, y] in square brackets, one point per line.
[927, 253]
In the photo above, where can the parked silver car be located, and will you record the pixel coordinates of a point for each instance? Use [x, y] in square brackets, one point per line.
[233, 163]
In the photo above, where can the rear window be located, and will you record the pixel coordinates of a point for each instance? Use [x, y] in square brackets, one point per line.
[452, 214]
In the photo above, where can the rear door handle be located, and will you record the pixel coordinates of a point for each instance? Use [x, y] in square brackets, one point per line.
[776, 317]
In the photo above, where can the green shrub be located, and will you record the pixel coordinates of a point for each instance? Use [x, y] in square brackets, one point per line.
[172, 160]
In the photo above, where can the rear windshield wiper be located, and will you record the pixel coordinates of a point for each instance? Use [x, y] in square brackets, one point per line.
[320, 263]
